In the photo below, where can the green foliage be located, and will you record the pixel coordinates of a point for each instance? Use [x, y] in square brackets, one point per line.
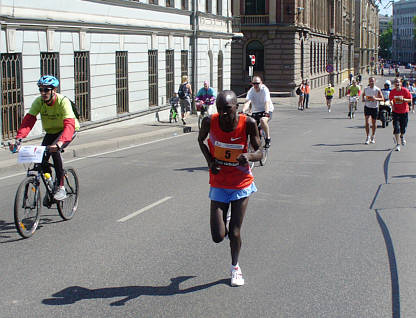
[414, 29]
[386, 41]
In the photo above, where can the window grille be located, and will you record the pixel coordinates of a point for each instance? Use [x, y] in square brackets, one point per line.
[170, 3]
[220, 71]
[170, 74]
[12, 108]
[153, 1]
[122, 82]
[82, 84]
[153, 78]
[208, 6]
[185, 5]
[184, 63]
[219, 7]
[49, 65]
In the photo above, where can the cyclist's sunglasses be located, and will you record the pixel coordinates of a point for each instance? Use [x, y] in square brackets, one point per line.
[45, 89]
[255, 83]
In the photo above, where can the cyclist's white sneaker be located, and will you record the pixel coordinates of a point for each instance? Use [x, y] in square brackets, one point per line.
[403, 141]
[367, 141]
[373, 139]
[60, 194]
[236, 276]
[397, 147]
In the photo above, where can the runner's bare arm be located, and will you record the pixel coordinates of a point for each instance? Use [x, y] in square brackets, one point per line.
[253, 134]
[202, 135]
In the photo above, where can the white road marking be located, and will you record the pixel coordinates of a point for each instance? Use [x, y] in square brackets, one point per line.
[128, 217]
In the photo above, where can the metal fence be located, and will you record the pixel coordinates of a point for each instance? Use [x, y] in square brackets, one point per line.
[12, 109]
[122, 82]
[170, 74]
[153, 78]
[82, 84]
[49, 65]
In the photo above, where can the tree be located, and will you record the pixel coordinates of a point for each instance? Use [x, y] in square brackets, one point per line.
[386, 41]
[414, 29]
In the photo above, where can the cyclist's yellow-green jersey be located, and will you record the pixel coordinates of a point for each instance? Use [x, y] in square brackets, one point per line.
[329, 91]
[53, 116]
[354, 90]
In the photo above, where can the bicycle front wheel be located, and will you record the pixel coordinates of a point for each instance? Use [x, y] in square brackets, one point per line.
[27, 207]
[69, 205]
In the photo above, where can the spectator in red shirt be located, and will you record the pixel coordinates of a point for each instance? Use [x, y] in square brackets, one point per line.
[400, 97]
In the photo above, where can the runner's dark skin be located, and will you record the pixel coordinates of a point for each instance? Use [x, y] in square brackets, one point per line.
[228, 121]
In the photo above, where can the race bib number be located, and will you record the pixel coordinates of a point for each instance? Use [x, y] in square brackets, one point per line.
[31, 154]
[227, 153]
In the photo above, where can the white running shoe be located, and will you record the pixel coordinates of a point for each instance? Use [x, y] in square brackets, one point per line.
[60, 194]
[367, 140]
[329, 110]
[403, 141]
[236, 276]
[373, 139]
[397, 147]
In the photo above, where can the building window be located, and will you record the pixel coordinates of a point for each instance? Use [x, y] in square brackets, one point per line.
[219, 7]
[12, 94]
[154, 1]
[184, 63]
[153, 78]
[220, 71]
[257, 49]
[49, 65]
[255, 7]
[82, 84]
[170, 3]
[208, 6]
[122, 82]
[184, 5]
[170, 74]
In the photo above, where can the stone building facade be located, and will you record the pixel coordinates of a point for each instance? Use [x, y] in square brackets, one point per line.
[404, 43]
[294, 40]
[115, 58]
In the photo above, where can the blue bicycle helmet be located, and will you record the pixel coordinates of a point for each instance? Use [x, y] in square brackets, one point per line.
[48, 80]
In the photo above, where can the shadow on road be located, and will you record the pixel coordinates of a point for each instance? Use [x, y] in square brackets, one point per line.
[73, 294]
[336, 145]
[193, 169]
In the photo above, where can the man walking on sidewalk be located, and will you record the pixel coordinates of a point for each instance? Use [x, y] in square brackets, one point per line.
[371, 97]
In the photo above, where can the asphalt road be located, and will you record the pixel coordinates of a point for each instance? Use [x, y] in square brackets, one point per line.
[330, 233]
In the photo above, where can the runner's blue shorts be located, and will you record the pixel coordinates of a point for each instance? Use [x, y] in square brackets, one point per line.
[228, 195]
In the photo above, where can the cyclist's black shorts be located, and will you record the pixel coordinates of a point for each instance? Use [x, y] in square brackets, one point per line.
[259, 115]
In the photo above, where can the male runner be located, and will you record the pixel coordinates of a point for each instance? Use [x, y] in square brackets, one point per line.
[371, 96]
[230, 175]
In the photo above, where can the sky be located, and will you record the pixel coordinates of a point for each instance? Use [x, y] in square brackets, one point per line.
[388, 11]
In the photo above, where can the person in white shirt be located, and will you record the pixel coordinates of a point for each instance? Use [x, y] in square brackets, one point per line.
[371, 97]
[261, 106]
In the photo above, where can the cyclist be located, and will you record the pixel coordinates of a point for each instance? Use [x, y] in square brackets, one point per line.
[261, 106]
[353, 92]
[59, 123]
[386, 93]
[204, 94]
[230, 175]
[412, 90]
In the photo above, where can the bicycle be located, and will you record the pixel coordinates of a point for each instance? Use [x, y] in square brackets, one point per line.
[204, 109]
[352, 106]
[173, 114]
[27, 202]
[262, 136]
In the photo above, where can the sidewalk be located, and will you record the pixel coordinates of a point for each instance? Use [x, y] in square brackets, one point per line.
[106, 138]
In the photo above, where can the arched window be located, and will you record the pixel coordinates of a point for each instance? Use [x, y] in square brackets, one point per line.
[211, 68]
[220, 71]
[255, 48]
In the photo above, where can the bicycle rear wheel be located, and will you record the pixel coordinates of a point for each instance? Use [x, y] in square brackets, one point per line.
[27, 207]
[69, 205]
[265, 152]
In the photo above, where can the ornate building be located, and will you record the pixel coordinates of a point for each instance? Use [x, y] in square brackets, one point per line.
[404, 43]
[294, 40]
